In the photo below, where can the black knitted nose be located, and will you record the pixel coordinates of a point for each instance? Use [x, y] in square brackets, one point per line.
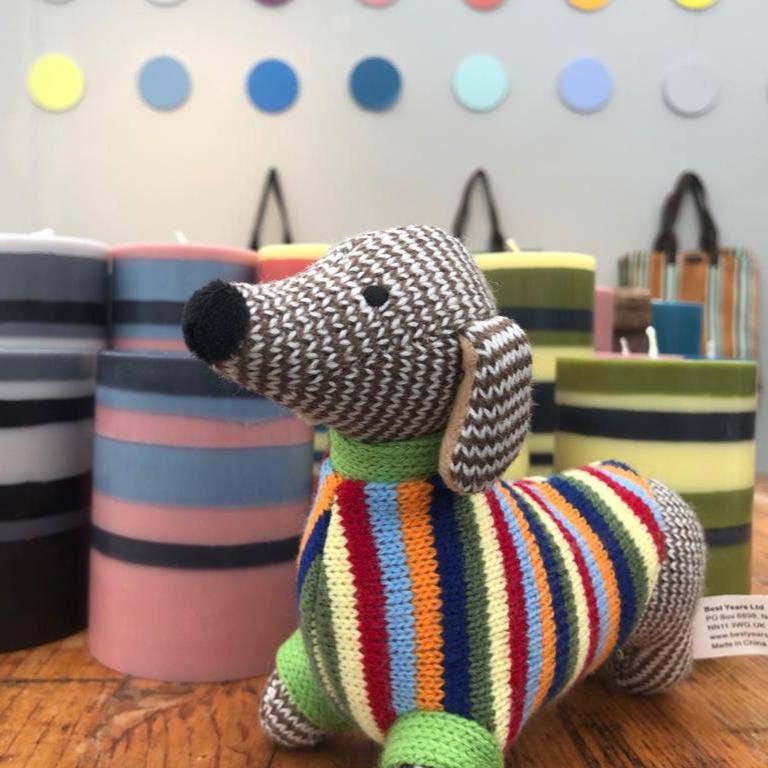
[215, 322]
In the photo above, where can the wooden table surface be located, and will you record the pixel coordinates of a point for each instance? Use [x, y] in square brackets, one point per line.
[61, 709]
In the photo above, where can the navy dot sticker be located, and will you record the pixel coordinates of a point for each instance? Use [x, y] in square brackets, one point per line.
[480, 83]
[375, 84]
[690, 88]
[164, 83]
[272, 85]
[585, 85]
[273, 2]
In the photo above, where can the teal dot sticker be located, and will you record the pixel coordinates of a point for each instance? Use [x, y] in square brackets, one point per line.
[585, 85]
[375, 84]
[480, 83]
[164, 83]
[272, 85]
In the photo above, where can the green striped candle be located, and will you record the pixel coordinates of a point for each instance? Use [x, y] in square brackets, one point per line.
[688, 423]
[551, 295]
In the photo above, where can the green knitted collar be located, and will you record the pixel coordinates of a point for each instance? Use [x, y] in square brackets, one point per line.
[392, 462]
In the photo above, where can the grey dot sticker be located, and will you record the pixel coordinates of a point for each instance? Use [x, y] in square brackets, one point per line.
[691, 88]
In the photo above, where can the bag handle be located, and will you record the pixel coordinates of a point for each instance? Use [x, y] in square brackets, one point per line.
[271, 188]
[666, 240]
[497, 240]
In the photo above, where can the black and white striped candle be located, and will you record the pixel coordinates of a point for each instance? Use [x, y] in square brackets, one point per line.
[54, 292]
[46, 425]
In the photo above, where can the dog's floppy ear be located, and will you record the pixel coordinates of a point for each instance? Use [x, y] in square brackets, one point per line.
[490, 415]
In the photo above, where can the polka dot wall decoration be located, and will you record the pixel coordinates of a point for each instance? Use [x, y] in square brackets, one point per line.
[375, 84]
[691, 88]
[585, 85]
[484, 5]
[273, 2]
[272, 85]
[55, 82]
[164, 83]
[589, 5]
[696, 5]
[378, 3]
[480, 83]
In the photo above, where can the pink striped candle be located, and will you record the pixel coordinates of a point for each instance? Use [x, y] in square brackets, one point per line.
[200, 493]
[602, 329]
[152, 282]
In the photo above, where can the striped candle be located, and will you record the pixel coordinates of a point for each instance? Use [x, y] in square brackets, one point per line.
[687, 423]
[54, 292]
[602, 324]
[152, 282]
[278, 261]
[46, 423]
[200, 493]
[551, 295]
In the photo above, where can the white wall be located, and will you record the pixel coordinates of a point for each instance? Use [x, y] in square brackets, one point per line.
[116, 170]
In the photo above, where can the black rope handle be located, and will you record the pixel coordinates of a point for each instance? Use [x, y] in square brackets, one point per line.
[689, 183]
[497, 239]
[272, 188]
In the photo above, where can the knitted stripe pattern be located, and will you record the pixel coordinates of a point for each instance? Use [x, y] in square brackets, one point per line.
[486, 606]
[380, 368]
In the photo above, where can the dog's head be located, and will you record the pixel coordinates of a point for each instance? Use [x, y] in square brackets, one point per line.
[391, 335]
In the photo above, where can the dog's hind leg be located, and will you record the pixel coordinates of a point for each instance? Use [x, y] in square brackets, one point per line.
[658, 653]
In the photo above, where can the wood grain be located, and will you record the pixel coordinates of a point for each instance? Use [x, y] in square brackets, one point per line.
[59, 708]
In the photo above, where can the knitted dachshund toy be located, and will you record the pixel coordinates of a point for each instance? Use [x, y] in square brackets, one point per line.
[441, 607]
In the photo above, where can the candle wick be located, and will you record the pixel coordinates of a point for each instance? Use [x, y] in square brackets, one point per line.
[624, 344]
[653, 342]
[711, 349]
[181, 237]
[512, 245]
[47, 232]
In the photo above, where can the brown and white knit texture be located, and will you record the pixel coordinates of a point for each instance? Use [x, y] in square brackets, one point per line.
[660, 650]
[495, 422]
[283, 721]
[372, 373]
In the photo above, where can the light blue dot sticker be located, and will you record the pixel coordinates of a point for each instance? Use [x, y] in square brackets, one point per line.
[375, 84]
[272, 85]
[480, 83]
[585, 85]
[164, 83]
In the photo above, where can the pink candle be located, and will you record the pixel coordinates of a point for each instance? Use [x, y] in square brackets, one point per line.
[603, 318]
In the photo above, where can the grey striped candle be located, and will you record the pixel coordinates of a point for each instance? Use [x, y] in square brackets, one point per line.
[200, 493]
[687, 423]
[46, 424]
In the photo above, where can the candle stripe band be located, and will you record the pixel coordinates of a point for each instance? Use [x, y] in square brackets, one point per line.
[543, 412]
[727, 379]
[544, 319]
[23, 366]
[37, 527]
[545, 459]
[76, 312]
[722, 509]
[29, 500]
[52, 277]
[65, 335]
[728, 537]
[169, 312]
[652, 425]
[193, 556]
[152, 331]
[541, 339]
[201, 476]
[28, 413]
[543, 288]
[177, 375]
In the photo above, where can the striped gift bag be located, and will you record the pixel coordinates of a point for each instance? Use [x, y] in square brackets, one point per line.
[723, 280]
[200, 494]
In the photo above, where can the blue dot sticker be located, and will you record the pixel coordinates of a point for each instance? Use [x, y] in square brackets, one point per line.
[585, 85]
[375, 84]
[272, 85]
[164, 83]
[480, 83]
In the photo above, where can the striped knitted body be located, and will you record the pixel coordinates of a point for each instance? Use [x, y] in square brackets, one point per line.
[415, 598]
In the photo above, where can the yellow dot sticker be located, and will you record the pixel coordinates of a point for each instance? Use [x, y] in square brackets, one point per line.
[55, 82]
[589, 5]
[696, 5]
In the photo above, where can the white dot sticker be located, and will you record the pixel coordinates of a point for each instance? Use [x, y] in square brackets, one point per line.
[691, 88]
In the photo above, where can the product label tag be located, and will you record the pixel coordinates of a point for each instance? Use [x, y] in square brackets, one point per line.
[731, 625]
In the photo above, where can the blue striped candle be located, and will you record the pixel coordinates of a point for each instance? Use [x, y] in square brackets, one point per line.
[200, 493]
[678, 327]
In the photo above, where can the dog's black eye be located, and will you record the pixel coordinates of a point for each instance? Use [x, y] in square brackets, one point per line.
[376, 295]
